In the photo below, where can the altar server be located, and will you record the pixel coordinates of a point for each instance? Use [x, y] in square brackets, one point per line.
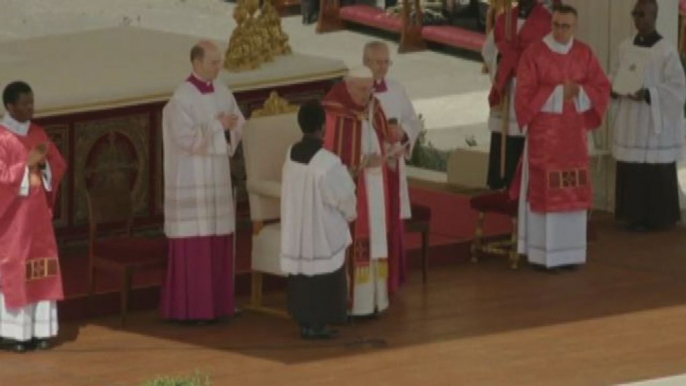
[317, 202]
[649, 128]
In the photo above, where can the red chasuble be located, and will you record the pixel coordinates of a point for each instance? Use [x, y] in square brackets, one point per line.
[536, 27]
[29, 267]
[559, 176]
[344, 120]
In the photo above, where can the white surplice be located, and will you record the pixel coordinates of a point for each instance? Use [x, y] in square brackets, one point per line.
[372, 295]
[198, 197]
[317, 202]
[652, 133]
[552, 239]
[36, 320]
[397, 104]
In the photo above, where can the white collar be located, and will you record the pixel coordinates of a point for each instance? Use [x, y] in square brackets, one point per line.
[15, 126]
[556, 47]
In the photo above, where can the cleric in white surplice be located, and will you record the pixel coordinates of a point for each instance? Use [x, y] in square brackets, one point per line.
[649, 129]
[202, 127]
[318, 200]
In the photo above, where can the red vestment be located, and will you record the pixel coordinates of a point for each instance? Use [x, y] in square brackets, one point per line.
[29, 265]
[344, 119]
[536, 27]
[559, 175]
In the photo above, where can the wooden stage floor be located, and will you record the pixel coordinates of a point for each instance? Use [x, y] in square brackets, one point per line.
[620, 318]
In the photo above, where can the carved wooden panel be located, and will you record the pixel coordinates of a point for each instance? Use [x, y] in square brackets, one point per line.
[112, 152]
[59, 135]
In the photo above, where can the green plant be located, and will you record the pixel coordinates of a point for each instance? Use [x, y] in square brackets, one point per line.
[197, 379]
[425, 155]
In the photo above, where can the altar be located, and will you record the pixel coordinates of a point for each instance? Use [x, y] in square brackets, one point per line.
[100, 95]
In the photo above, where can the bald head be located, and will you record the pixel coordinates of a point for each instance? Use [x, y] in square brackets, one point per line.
[377, 58]
[206, 60]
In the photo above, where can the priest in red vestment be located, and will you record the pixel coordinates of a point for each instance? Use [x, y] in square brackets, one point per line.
[357, 131]
[31, 169]
[562, 93]
[530, 22]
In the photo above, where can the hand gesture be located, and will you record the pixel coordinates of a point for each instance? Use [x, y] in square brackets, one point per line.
[34, 179]
[228, 121]
[37, 155]
[639, 95]
[372, 161]
[571, 90]
[396, 133]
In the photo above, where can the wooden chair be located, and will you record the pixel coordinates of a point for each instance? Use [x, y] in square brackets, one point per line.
[496, 203]
[123, 253]
[421, 223]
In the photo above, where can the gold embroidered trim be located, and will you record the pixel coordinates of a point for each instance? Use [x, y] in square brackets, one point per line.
[363, 273]
[41, 268]
[567, 179]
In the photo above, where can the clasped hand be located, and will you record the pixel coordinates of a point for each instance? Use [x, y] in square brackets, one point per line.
[571, 90]
[37, 155]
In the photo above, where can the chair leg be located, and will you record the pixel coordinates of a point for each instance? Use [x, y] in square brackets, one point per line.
[91, 282]
[514, 256]
[478, 237]
[425, 253]
[256, 291]
[125, 291]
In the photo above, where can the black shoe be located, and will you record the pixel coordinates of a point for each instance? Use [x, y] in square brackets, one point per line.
[41, 344]
[543, 268]
[638, 227]
[19, 347]
[304, 330]
[319, 333]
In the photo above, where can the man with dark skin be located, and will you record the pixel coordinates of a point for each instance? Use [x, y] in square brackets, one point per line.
[31, 169]
[648, 128]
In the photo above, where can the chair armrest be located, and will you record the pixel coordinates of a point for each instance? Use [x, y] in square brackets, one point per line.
[266, 188]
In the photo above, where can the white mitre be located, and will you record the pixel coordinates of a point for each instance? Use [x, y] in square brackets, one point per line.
[360, 72]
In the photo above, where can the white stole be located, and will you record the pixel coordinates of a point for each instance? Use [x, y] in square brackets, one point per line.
[376, 198]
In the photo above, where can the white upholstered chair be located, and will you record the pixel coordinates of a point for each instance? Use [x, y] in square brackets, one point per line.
[267, 137]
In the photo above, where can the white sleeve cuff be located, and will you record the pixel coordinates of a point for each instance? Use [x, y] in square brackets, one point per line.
[24, 187]
[47, 177]
[555, 102]
[582, 102]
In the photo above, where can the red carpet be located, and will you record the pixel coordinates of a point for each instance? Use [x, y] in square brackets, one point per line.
[452, 227]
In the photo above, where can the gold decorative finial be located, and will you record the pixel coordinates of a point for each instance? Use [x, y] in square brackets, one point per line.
[257, 38]
[274, 105]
